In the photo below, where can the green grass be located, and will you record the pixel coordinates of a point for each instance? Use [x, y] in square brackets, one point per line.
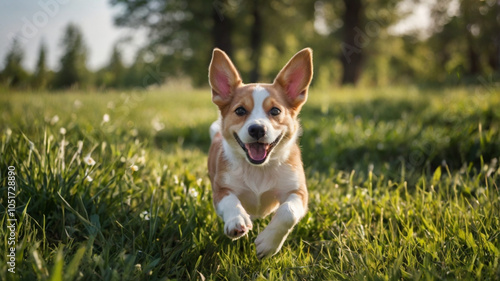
[404, 184]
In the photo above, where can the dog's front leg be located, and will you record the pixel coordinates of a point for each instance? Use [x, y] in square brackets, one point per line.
[270, 240]
[237, 222]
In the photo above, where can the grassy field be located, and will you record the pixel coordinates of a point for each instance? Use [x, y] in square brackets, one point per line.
[404, 185]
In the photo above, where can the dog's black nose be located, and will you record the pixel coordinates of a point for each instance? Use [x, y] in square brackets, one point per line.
[257, 131]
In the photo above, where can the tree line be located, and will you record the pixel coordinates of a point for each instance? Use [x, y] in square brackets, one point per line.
[73, 72]
[352, 42]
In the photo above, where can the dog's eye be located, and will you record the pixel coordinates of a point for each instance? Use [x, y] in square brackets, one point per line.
[275, 111]
[240, 111]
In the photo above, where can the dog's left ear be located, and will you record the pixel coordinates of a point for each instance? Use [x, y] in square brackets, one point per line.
[296, 76]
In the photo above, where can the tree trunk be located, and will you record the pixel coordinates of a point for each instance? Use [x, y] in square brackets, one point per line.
[473, 57]
[256, 42]
[222, 29]
[352, 56]
[494, 56]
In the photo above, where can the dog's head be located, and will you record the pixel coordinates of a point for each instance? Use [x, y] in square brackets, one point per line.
[259, 121]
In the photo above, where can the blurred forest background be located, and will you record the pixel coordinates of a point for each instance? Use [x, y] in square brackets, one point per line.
[353, 44]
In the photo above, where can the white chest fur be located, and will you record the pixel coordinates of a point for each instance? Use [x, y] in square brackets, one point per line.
[261, 189]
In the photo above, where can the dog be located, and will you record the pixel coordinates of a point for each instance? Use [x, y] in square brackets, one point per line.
[254, 161]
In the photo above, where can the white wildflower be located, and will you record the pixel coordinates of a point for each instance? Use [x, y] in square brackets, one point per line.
[89, 160]
[54, 120]
[157, 125]
[134, 168]
[62, 131]
[192, 192]
[105, 118]
[89, 179]
[145, 215]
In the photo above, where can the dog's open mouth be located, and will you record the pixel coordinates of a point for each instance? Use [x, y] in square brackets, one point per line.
[257, 152]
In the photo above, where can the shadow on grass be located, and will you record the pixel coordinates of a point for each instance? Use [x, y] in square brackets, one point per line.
[324, 148]
[386, 135]
[378, 109]
[187, 137]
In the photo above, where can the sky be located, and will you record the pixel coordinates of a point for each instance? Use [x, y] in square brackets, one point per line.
[419, 16]
[34, 21]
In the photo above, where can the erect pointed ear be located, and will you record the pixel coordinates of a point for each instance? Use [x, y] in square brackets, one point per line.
[296, 76]
[223, 77]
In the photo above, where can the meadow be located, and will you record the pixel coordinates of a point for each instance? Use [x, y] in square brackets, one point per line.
[403, 181]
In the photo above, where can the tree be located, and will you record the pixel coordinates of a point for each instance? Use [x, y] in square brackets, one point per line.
[183, 33]
[144, 72]
[222, 31]
[468, 41]
[364, 24]
[116, 69]
[259, 35]
[73, 70]
[256, 41]
[14, 75]
[40, 77]
[177, 32]
[352, 56]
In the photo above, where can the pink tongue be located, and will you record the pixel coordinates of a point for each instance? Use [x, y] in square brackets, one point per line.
[257, 151]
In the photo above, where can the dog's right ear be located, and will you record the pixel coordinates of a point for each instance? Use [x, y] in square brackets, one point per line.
[223, 77]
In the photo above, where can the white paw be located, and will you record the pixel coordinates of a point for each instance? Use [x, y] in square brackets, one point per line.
[269, 242]
[237, 227]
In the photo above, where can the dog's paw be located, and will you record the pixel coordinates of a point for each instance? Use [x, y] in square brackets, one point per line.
[237, 227]
[269, 242]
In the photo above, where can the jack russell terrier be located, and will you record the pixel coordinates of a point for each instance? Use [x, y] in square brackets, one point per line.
[254, 162]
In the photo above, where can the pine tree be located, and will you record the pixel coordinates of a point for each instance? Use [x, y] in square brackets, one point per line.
[14, 75]
[40, 77]
[116, 68]
[73, 71]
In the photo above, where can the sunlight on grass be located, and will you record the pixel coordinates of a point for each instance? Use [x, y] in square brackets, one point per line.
[403, 185]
